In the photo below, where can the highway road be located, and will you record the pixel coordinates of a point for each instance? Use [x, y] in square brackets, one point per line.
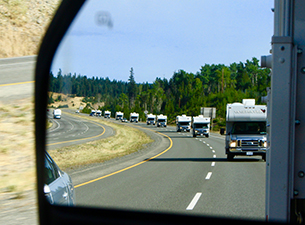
[17, 78]
[190, 175]
[71, 130]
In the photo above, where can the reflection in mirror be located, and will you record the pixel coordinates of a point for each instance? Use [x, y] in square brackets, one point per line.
[123, 73]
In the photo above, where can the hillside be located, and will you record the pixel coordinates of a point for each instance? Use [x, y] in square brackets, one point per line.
[22, 25]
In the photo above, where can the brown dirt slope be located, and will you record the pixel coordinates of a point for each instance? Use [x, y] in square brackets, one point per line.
[22, 25]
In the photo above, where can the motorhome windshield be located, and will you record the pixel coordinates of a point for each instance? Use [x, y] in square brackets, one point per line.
[184, 123]
[201, 125]
[152, 119]
[161, 120]
[249, 128]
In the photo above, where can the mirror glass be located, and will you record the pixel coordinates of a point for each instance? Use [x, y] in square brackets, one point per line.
[120, 78]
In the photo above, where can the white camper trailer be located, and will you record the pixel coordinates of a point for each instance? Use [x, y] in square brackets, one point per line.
[201, 126]
[161, 120]
[183, 123]
[246, 129]
[150, 119]
[107, 114]
[134, 117]
[119, 115]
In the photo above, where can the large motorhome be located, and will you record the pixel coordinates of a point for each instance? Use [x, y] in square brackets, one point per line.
[134, 117]
[119, 115]
[150, 119]
[56, 113]
[161, 120]
[183, 123]
[107, 114]
[201, 126]
[246, 129]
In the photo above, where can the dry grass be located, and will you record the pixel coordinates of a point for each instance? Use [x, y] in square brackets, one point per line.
[126, 140]
[17, 154]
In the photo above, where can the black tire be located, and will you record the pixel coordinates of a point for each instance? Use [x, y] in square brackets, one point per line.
[230, 157]
[264, 157]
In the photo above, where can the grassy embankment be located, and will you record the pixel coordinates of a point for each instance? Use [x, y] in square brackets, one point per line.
[125, 141]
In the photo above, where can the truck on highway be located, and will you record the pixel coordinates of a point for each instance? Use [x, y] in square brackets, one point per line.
[246, 129]
[56, 113]
[92, 112]
[150, 119]
[161, 120]
[134, 117]
[119, 115]
[107, 114]
[201, 126]
[98, 113]
[183, 123]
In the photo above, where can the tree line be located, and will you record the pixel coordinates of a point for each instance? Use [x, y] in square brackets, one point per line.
[184, 93]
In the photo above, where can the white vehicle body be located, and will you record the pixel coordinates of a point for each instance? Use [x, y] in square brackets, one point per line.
[151, 119]
[56, 113]
[161, 120]
[201, 126]
[98, 113]
[107, 114]
[246, 129]
[119, 115]
[183, 123]
[134, 117]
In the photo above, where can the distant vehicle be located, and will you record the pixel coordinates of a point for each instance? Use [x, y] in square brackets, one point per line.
[58, 186]
[107, 114]
[161, 120]
[201, 126]
[134, 117]
[77, 111]
[56, 113]
[119, 115]
[92, 113]
[98, 113]
[183, 123]
[151, 119]
[124, 120]
[246, 129]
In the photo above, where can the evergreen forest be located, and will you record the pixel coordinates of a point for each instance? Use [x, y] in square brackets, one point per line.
[184, 93]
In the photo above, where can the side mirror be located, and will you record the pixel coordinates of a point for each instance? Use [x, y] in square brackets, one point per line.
[222, 131]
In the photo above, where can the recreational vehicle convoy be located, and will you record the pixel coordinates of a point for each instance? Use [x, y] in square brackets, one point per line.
[107, 114]
[151, 119]
[246, 129]
[183, 123]
[134, 117]
[119, 115]
[201, 126]
[161, 120]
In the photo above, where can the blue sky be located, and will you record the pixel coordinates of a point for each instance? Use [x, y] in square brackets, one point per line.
[160, 37]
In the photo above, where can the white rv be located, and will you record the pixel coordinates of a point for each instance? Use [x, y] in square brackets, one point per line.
[246, 129]
[119, 115]
[57, 113]
[161, 120]
[107, 114]
[150, 119]
[98, 113]
[183, 123]
[134, 117]
[201, 126]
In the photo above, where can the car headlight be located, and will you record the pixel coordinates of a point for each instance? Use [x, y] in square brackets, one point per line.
[233, 144]
[265, 144]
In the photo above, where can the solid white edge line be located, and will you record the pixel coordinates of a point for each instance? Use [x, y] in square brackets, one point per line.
[194, 201]
[208, 176]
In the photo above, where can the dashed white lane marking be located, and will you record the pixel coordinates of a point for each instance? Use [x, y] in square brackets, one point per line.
[213, 164]
[211, 148]
[213, 151]
[194, 201]
[214, 156]
[208, 176]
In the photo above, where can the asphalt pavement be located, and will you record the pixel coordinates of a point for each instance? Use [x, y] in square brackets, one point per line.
[189, 176]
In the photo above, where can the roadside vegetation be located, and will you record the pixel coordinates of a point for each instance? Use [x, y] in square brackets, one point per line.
[125, 141]
[184, 93]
